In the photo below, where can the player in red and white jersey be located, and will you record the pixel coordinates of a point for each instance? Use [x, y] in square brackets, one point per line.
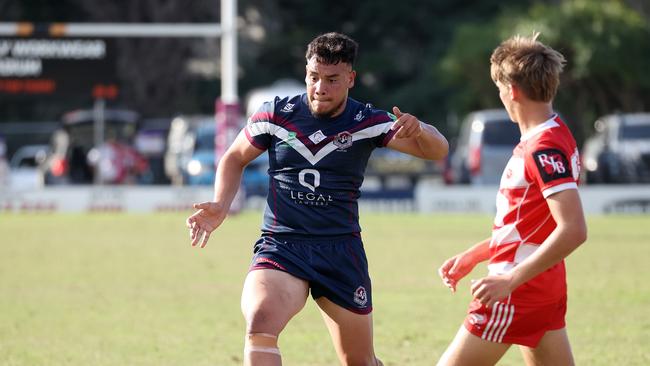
[539, 221]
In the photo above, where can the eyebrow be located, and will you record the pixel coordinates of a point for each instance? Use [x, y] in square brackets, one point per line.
[327, 75]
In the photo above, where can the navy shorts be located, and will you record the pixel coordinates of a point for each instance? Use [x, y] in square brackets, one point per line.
[335, 267]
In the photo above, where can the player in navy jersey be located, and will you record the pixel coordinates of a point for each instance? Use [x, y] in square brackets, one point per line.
[318, 145]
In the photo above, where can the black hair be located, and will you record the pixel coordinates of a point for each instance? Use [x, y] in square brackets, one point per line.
[332, 48]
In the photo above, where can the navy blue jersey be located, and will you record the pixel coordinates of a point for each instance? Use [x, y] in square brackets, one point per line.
[316, 165]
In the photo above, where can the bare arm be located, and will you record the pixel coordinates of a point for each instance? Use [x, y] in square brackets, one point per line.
[228, 177]
[571, 231]
[417, 138]
[458, 266]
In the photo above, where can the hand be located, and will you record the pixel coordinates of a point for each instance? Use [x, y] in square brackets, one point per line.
[408, 125]
[204, 221]
[454, 269]
[491, 289]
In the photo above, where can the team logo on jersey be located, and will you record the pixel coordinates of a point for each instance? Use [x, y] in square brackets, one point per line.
[287, 107]
[552, 164]
[343, 140]
[310, 179]
[317, 137]
[359, 116]
[360, 296]
[291, 137]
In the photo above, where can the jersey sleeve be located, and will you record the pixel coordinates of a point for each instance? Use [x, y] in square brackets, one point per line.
[259, 126]
[552, 166]
[381, 123]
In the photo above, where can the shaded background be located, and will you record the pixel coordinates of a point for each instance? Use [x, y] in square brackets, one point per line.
[429, 57]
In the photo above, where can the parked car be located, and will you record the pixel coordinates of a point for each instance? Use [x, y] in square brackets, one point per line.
[75, 159]
[150, 141]
[619, 151]
[200, 168]
[24, 167]
[487, 138]
[180, 145]
[280, 88]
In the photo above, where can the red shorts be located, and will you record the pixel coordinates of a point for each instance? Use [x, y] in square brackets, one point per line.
[514, 323]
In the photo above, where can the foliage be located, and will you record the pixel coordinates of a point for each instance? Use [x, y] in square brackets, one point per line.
[428, 57]
[605, 43]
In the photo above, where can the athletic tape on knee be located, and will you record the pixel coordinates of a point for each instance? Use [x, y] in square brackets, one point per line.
[262, 342]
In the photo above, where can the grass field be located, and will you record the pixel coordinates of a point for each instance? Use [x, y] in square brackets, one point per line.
[129, 290]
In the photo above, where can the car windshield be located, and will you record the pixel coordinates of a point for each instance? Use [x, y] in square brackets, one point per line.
[635, 131]
[503, 132]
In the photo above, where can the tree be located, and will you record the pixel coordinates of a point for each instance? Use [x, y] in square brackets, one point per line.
[605, 43]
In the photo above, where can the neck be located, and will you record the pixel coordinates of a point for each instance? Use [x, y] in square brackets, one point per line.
[532, 115]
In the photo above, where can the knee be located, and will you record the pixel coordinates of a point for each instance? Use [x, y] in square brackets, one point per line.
[260, 320]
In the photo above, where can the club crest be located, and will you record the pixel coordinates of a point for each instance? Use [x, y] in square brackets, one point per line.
[343, 140]
[360, 296]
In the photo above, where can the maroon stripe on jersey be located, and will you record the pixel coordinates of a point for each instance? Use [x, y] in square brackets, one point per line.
[252, 140]
[274, 209]
[276, 120]
[371, 121]
[389, 136]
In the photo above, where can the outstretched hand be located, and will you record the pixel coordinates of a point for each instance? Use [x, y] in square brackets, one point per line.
[203, 222]
[454, 269]
[406, 124]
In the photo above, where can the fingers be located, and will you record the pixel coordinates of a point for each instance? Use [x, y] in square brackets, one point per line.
[406, 125]
[480, 291]
[199, 235]
[397, 112]
[204, 242]
[445, 274]
[195, 235]
[201, 206]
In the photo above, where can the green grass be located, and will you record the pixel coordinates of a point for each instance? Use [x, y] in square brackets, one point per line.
[129, 290]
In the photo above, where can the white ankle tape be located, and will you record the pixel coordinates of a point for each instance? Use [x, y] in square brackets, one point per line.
[275, 351]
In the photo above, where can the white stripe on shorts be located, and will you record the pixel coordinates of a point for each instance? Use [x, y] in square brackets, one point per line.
[500, 320]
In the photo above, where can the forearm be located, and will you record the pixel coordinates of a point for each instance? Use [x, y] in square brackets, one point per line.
[227, 180]
[433, 145]
[480, 252]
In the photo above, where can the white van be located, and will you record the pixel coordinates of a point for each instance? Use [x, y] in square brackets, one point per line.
[487, 138]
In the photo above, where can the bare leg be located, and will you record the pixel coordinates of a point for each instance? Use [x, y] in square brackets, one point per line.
[270, 298]
[468, 349]
[351, 334]
[553, 349]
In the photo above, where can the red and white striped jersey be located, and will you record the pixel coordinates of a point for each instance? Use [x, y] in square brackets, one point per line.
[544, 162]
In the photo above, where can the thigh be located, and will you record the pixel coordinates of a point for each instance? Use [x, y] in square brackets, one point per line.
[468, 349]
[351, 333]
[553, 349]
[270, 298]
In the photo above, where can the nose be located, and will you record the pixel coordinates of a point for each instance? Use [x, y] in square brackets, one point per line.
[319, 87]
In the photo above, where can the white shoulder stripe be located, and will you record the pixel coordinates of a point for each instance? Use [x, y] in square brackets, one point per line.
[259, 128]
[559, 188]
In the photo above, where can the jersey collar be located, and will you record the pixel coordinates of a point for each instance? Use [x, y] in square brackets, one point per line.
[549, 123]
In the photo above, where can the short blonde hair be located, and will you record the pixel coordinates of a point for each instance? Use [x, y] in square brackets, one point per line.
[530, 64]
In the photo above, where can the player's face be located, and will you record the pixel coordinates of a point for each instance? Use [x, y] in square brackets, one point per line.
[327, 87]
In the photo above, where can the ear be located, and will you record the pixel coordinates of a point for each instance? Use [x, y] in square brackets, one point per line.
[514, 91]
[351, 77]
